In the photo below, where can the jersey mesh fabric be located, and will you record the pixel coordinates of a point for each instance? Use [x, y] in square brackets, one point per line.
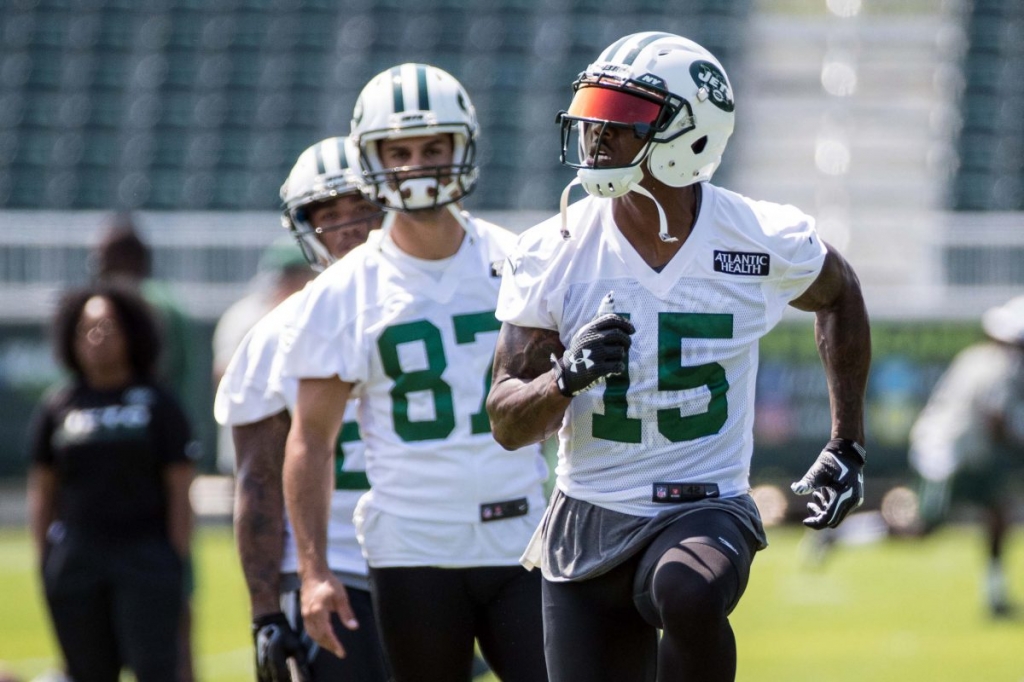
[633, 443]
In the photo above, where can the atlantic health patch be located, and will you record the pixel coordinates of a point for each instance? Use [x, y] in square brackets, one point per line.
[742, 263]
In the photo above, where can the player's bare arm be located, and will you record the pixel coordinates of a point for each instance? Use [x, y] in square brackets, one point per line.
[843, 336]
[259, 507]
[525, 405]
[308, 481]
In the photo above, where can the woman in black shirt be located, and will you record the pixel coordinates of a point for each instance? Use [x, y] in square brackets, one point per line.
[108, 493]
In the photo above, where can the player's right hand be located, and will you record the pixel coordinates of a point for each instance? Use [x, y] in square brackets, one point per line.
[276, 642]
[837, 480]
[597, 351]
[320, 599]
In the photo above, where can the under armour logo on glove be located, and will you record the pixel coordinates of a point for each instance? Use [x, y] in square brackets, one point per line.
[597, 351]
[584, 360]
[837, 480]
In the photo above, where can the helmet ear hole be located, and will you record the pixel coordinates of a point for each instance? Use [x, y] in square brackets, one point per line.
[699, 145]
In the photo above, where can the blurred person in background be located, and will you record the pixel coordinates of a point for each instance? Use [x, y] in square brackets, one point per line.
[326, 213]
[281, 272]
[406, 323]
[967, 445]
[123, 259]
[651, 388]
[109, 514]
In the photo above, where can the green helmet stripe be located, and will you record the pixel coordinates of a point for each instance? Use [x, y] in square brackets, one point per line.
[396, 89]
[342, 159]
[606, 56]
[421, 86]
[318, 153]
[632, 54]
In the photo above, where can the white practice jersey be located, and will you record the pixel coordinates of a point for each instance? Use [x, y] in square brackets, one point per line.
[416, 339]
[253, 389]
[684, 412]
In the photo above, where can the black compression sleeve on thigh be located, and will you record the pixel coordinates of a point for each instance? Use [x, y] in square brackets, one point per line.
[692, 589]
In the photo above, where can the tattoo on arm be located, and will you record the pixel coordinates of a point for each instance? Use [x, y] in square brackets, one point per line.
[259, 507]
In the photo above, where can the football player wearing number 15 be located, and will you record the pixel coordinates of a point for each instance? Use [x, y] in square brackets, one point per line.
[406, 323]
[652, 393]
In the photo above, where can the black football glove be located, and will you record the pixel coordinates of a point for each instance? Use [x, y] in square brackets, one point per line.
[837, 480]
[276, 643]
[597, 351]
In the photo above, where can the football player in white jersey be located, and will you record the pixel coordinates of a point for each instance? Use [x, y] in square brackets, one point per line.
[406, 322]
[966, 445]
[328, 216]
[630, 327]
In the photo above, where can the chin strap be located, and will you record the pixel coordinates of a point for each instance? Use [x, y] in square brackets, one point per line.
[662, 220]
[462, 218]
[385, 227]
[563, 210]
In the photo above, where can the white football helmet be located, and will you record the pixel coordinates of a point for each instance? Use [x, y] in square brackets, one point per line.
[412, 100]
[320, 173]
[669, 91]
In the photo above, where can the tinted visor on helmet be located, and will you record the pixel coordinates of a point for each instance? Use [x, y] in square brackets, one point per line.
[598, 103]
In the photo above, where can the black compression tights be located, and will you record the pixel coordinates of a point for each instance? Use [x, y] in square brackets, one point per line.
[593, 632]
[428, 618]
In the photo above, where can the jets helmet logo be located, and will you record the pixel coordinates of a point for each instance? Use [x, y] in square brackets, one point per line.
[711, 84]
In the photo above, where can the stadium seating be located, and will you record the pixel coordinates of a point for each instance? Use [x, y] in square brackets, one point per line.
[204, 104]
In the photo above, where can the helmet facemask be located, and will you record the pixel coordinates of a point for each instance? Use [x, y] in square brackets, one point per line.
[406, 101]
[419, 188]
[310, 237]
[320, 174]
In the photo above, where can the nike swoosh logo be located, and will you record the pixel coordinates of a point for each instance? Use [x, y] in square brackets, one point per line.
[842, 468]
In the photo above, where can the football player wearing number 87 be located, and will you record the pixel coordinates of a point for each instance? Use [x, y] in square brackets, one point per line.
[406, 322]
[651, 525]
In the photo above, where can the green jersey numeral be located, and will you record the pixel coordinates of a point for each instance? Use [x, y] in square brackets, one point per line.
[615, 425]
[467, 328]
[347, 480]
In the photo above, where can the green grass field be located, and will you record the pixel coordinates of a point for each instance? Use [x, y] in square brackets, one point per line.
[899, 611]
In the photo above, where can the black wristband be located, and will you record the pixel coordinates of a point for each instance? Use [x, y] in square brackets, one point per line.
[275, 618]
[848, 448]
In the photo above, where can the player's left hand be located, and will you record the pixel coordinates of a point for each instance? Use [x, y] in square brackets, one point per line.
[837, 480]
[322, 598]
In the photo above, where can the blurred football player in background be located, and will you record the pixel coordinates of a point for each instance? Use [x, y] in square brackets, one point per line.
[651, 389]
[328, 216]
[406, 322]
[968, 443]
